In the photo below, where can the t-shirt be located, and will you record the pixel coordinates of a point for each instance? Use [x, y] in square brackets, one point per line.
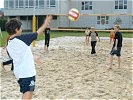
[93, 36]
[20, 51]
[112, 34]
[118, 36]
[47, 32]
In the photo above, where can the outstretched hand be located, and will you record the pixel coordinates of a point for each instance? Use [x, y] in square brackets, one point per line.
[37, 60]
[48, 19]
[45, 24]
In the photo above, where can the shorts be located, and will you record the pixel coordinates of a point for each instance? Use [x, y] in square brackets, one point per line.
[116, 52]
[27, 84]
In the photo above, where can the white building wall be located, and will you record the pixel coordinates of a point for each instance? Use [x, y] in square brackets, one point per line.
[63, 6]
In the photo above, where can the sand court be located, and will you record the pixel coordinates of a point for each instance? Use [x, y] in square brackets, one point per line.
[69, 71]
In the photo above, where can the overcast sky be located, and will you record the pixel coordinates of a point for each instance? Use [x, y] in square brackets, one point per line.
[1, 3]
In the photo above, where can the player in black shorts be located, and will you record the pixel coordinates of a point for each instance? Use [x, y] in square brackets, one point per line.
[116, 49]
[47, 38]
[19, 50]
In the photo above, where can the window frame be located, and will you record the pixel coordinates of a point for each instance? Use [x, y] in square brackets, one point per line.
[41, 4]
[86, 5]
[11, 5]
[6, 3]
[102, 20]
[27, 4]
[22, 6]
[31, 1]
[121, 4]
[50, 5]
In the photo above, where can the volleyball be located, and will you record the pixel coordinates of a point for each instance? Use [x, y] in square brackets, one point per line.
[73, 14]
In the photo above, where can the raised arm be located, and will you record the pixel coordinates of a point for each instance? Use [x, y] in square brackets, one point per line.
[45, 24]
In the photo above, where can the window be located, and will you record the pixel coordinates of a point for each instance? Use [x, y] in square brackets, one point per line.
[6, 3]
[21, 3]
[54, 17]
[120, 4]
[26, 4]
[36, 3]
[41, 3]
[51, 3]
[103, 20]
[11, 4]
[29, 3]
[17, 3]
[86, 5]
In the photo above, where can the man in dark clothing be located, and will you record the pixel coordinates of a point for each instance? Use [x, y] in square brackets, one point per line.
[47, 38]
[116, 49]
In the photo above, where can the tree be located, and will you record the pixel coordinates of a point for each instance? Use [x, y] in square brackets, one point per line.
[118, 21]
[3, 21]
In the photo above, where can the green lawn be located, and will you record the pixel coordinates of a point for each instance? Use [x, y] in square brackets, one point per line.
[55, 34]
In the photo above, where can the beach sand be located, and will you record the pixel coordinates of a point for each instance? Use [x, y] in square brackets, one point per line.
[69, 71]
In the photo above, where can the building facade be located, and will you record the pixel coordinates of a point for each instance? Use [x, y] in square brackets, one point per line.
[121, 12]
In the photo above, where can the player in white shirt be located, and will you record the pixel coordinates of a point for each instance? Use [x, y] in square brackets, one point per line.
[19, 50]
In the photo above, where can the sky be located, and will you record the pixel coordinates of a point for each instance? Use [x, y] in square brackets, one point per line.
[1, 3]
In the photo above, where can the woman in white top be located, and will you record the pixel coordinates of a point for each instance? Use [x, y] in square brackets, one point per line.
[94, 35]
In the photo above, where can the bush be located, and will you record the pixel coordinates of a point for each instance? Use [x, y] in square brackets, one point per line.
[2, 23]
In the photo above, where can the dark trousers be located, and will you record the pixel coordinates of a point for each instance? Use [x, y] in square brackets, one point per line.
[9, 62]
[93, 44]
[47, 39]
